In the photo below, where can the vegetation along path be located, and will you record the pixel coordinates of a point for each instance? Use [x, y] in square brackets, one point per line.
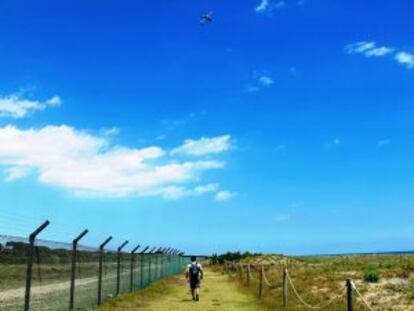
[217, 294]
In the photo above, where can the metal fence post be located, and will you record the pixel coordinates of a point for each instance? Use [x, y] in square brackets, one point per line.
[73, 271]
[131, 287]
[150, 264]
[32, 238]
[141, 271]
[101, 253]
[162, 262]
[166, 265]
[349, 295]
[118, 268]
[157, 262]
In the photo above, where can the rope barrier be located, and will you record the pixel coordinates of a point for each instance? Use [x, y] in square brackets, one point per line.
[362, 297]
[250, 274]
[237, 268]
[266, 280]
[316, 306]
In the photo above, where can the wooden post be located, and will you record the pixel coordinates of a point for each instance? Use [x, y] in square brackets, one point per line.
[261, 281]
[285, 289]
[248, 274]
[349, 294]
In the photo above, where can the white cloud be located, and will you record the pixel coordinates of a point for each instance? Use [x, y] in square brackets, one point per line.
[262, 7]
[89, 165]
[383, 142]
[224, 195]
[54, 101]
[203, 146]
[17, 172]
[266, 80]
[112, 131]
[206, 188]
[16, 107]
[360, 47]
[282, 217]
[268, 6]
[405, 58]
[259, 82]
[178, 192]
[368, 48]
[381, 51]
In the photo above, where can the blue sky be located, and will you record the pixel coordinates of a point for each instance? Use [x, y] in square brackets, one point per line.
[282, 126]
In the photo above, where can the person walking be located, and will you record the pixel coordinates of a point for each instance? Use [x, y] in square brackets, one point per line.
[194, 274]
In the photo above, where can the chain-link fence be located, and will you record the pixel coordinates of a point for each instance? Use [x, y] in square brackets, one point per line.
[45, 275]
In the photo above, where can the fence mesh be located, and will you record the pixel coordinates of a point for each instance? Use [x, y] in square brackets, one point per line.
[12, 273]
[52, 268]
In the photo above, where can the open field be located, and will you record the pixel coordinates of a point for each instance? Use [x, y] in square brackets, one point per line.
[51, 290]
[218, 293]
[385, 282]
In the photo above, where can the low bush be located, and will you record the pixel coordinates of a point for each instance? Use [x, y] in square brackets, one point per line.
[371, 275]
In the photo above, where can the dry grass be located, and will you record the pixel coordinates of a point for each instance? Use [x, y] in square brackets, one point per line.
[319, 279]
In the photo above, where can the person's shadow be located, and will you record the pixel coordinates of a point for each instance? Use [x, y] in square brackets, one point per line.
[186, 300]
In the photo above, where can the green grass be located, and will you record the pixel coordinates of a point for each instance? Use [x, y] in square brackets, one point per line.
[218, 293]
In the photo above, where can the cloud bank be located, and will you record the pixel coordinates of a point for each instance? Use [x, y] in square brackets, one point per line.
[90, 165]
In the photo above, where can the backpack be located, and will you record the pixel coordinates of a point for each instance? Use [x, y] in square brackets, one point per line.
[194, 271]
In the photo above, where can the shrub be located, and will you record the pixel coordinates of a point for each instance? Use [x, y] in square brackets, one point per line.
[371, 275]
[408, 266]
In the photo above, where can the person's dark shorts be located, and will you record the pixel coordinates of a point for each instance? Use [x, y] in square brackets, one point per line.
[195, 283]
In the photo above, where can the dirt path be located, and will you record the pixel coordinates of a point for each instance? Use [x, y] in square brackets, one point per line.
[217, 294]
